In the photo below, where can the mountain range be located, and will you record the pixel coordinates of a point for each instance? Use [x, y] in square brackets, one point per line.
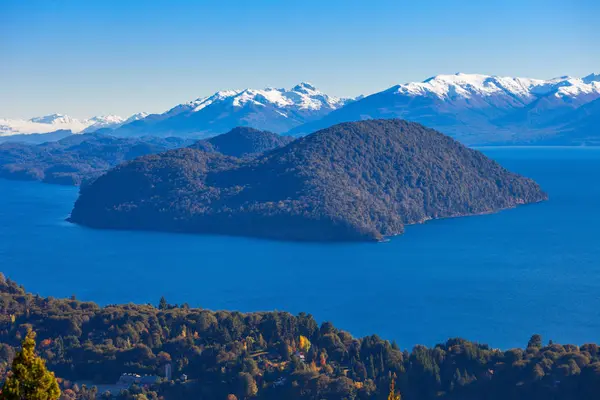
[482, 109]
[270, 109]
[60, 125]
[473, 108]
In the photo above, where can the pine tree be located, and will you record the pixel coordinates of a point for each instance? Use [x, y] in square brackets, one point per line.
[371, 369]
[162, 305]
[535, 342]
[29, 379]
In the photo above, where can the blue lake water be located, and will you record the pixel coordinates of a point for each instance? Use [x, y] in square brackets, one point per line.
[493, 278]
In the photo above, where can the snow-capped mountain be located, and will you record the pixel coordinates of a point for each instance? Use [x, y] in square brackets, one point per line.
[591, 78]
[302, 97]
[53, 119]
[524, 90]
[136, 117]
[44, 124]
[59, 122]
[103, 121]
[276, 110]
[475, 108]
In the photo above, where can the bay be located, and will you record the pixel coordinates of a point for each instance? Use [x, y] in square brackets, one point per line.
[494, 278]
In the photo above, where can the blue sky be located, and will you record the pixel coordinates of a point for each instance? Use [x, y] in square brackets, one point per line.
[89, 57]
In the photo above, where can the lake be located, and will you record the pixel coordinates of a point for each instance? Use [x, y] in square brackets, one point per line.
[493, 278]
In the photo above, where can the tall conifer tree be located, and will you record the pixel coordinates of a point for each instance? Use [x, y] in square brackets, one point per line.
[29, 379]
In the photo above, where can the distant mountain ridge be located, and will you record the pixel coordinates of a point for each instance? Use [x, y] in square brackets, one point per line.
[73, 159]
[270, 109]
[477, 109]
[355, 181]
[58, 122]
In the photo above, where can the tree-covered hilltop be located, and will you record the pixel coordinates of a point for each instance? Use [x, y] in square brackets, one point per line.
[243, 142]
[353, 181]
[275, 355]
[75, 158]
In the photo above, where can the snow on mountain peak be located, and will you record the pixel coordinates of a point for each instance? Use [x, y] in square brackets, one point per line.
[55, 122]
[136, 117]
[43, 124]
[576, 87]
[102, 121]
[466, 86]
[304, 87]
[52, 119]
[303, 96]
[106, 119]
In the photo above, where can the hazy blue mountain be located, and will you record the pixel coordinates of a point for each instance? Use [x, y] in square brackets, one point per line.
[52, 127]
[75, 158]
[78, 157]
[579, 127]
[36, 138]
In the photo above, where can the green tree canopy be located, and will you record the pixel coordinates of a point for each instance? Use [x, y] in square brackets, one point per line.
[163, 305]
[29, 379]
[535, 342]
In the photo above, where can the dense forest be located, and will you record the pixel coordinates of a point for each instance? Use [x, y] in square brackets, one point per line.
[76, 158]
[272, 355]
[353, 181]
[80, 157]
[243, 142]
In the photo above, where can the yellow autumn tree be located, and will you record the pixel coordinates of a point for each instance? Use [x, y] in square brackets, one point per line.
[393, 395]
[304, 344]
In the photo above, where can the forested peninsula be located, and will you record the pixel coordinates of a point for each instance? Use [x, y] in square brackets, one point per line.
[356, 181]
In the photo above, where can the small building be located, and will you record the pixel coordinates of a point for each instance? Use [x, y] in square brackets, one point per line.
[131, 379]
[128, 379]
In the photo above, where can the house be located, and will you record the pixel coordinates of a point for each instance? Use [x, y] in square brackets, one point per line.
[131, 379]
[128, 379]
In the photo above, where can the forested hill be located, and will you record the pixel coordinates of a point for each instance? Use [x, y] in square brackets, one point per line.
[80, 157]
[243, 142]
[275, 355]
[353, 181]
[75, 158]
